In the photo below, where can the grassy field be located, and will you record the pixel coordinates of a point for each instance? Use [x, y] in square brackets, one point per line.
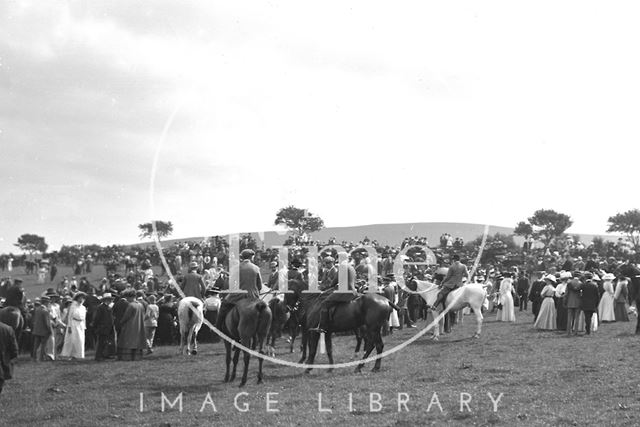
[546, 379]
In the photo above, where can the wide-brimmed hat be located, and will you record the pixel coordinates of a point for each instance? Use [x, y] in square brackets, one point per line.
[79, 295]
[107, 295]
[608, 276]
[193, 264]
[550, 277]
[565, 275]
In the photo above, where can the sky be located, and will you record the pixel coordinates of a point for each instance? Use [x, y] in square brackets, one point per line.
[362, 112]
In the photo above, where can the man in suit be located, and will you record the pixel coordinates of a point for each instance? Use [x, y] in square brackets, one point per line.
[250, 281]
[8, 352]
[193, 283]
[328, 285]
[273, 276]
[42, 328]
[572, 299]
[103, 327]
[522, 288]
[589, 301]
[535, 297]
[452, 280]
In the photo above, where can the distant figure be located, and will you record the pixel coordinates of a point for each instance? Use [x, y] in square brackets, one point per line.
[76, 324]
[546, 319]
[606, 312]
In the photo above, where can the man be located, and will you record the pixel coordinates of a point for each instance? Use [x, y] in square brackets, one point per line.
[592, 264]
[272, 283]
[561, 308]
[572, 302]
[103, 327]
[329, 274]
[522, 288]
[131, 340]
[328, 286]
[589, 301]
[8, 352]
[42, 329]
[193, 283]
[456, 273]
[535, 296]
[250, 281]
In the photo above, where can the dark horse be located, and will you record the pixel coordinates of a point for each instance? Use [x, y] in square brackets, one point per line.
[11, 314]
[248, 323]
[633, 273]
[370, 311]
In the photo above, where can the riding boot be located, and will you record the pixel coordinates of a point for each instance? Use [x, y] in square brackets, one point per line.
[323, 326]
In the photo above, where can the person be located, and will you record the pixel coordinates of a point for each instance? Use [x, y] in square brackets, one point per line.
[507, 312]
[589, 302]
[250, 281]
[606, 312]
[56, 339]
[103, 327]
[329, 285]
[456, 273]
[42, 328]
[151, 322]
[76, 324]
[535, 295]
[193, 283]
[572, 299]
[131, 340]
[620, 296]
[561, 309]
[546, 319]
[522, 288]
[272, 283]
[167, 313]
[8, 353]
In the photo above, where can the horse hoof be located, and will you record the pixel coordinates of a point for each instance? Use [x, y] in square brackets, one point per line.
[307, 371]
[330, 370]
[358, 370]
[476, 336]
[375, 369]
[435, 339]
[259, 381]
[194, 352]
[242, 383]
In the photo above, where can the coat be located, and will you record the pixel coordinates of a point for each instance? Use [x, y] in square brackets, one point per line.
[8, 351]
[131, 334]
[193, 286]
[41, 322]
[455, 274]
[103, 320]
[590, 296]
[572, 296]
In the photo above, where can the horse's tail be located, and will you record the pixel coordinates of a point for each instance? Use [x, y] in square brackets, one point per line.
[260, 306]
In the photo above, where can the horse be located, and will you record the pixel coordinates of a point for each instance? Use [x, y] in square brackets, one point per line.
[11, 314]
[248, 322]
[470, 295]
[369, 310]
[279, 315]
[190, 318]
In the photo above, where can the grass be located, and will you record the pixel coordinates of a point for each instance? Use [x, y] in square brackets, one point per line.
[546, 377]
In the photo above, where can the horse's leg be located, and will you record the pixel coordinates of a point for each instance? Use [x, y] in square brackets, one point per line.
[329, 347]
[379, 349]
[195, 340]
[181, 349]
[293, 331]
[312, 342]
[227, 346]
[236, 356]
[478, 312]
[368, 347]
[246, 341]
[260, 360]
[358, 344]
[304, 343]
[189, 338]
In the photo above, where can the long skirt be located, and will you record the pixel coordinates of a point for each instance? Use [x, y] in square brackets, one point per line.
[620, 312]
[547, 316]
[606, 311]
[581, 322]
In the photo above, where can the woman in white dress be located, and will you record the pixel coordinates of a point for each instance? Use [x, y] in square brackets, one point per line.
[547, 316]
[507, 313]
[606, 307]
[76, 324]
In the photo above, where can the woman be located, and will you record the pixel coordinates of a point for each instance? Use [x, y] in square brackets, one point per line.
[547, 316]
[76, 324]
[151, 322]
[606, 311]
[507, 312]
[620, 297]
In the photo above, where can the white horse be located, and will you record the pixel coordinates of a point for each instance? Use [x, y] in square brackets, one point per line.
[470, 295]
[190, 317]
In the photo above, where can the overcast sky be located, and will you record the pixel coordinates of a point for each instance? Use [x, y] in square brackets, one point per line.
[362, 112]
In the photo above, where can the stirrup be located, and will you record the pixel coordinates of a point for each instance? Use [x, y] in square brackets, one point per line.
[318, 329]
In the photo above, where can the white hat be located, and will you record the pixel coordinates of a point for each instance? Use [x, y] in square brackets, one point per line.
[550, 277]
[608, 276]
[565, 275]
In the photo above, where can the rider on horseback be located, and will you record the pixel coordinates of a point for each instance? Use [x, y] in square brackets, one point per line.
[250, 281]
[328, 285]
[452, 280]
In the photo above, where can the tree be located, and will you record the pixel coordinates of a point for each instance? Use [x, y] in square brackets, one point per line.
[496, 247]
[627, 223]
[299, 221]
[545, 225]
[32, 243]
[163, 228]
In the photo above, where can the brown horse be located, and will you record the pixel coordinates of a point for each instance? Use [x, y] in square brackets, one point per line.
[370, 311]
[247, 323]
[633, 273]
[11, 314]
[279, 318]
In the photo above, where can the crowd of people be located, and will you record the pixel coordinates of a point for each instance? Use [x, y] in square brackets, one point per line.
[133, 308]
